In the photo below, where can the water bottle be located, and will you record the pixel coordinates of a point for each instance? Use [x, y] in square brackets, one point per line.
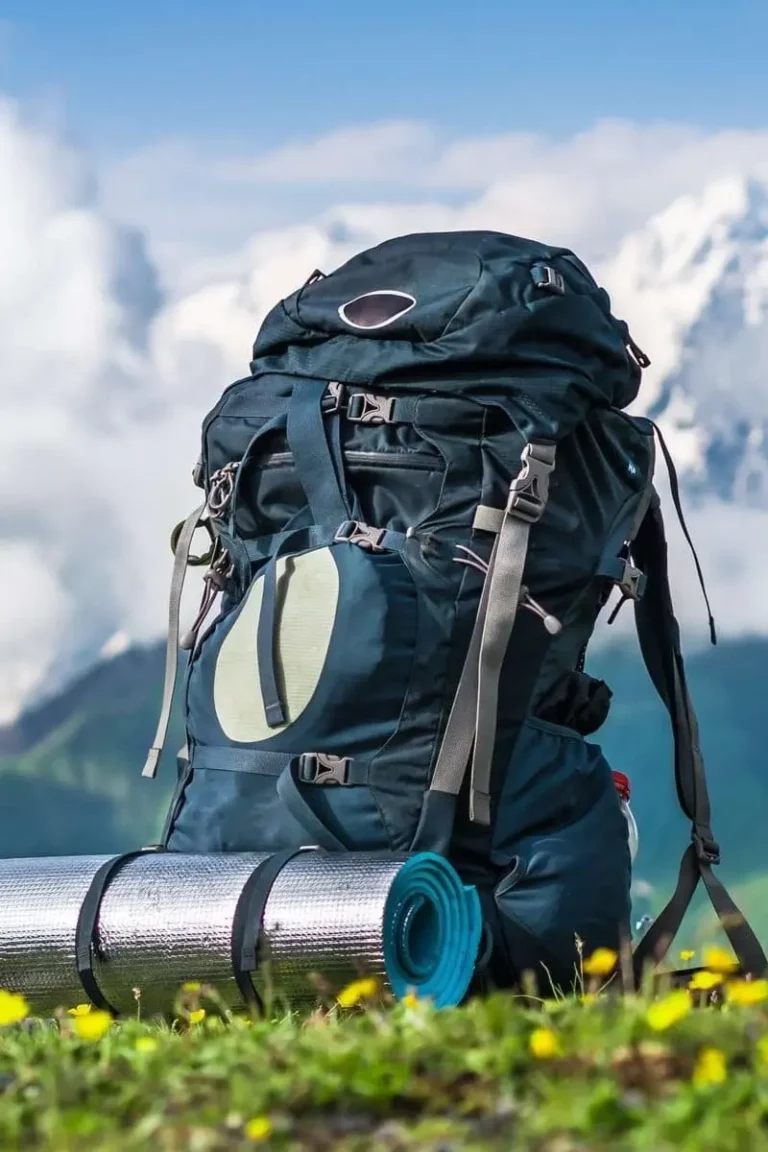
[623, 788]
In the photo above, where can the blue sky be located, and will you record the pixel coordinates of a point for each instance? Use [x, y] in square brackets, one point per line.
[247, 73]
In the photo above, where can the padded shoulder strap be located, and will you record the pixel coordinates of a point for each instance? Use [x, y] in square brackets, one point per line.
[659, 637]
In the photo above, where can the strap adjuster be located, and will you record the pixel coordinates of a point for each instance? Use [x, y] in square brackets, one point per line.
[368, 408]
[321, 768]
[632, 581]
[707, 848]
[367, 538]
[529, 492]
[546, 277]
[333, 400]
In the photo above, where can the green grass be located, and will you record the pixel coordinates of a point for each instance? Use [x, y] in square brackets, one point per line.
[403, 1077]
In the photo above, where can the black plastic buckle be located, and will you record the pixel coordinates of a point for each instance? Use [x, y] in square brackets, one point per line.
[321, 768]
[707, 848]
[353, 532]
[367, 408]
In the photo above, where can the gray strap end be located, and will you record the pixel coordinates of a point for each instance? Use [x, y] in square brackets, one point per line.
[488, 519]
[153, 759]
[479, 807]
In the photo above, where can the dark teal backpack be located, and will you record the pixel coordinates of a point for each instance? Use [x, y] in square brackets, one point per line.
[418, 503]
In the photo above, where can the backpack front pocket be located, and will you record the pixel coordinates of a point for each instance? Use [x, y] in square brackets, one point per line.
[346, 624]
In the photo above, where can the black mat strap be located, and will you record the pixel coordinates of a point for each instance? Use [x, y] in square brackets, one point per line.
[87, 919]
[246, 924]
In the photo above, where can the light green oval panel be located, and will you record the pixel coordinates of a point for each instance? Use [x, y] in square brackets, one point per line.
[307, 599]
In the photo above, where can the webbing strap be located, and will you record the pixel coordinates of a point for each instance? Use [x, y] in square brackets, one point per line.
[260, 763]
[506, 579]
[659, 637]
[289, 792]
[247, 921]
[311, 454]
[456, 745]
[86, 924]
[266, 638]
[473, 716]
[181, 557]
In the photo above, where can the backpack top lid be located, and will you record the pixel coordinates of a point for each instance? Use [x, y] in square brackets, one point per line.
[481, 313]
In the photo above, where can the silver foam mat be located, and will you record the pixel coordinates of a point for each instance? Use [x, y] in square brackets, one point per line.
[167, 918]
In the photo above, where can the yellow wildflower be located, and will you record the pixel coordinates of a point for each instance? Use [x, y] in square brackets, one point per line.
[720, 960]
[601, 963]
[668, 1011]
[80, 1010]
[687, 954]
[544, 1043]
[93, 1025]
[258, 1129]
[357, 991]
[747, 991]
[589, 998]
[410, 1000]
[146, 1044]
[710, 1068]
[705, 981]
[13, 1008]
[197, 1016]
[191, 986]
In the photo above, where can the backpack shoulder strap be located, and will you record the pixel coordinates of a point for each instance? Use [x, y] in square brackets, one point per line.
[659, 637]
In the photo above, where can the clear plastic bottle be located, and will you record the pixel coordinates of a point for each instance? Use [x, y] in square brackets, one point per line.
[624, 790]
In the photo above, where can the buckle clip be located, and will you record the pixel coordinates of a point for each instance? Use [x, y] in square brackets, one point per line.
[333, 400]
[353, 532]
[368, 408]
[707, 848]
[321, 768]
[547, 278]
[632, 582]
[529, 492]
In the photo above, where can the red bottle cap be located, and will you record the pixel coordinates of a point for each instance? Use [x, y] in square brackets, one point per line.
[622, 785]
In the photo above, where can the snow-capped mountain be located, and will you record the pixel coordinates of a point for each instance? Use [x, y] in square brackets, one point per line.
[693, 285]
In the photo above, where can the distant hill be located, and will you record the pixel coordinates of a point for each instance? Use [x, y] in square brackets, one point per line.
[70, 770]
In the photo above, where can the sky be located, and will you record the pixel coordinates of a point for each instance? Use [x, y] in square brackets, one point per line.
[168, 171]
[256, 75]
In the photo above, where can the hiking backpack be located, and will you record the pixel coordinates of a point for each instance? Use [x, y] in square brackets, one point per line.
[419, 500]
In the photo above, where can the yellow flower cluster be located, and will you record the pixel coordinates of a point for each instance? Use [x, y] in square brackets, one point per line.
[711, 1068]
[258, 1129]
[358, 991]
[92, 1025]
[544, 1044]
[13, 1008]
[602, 962]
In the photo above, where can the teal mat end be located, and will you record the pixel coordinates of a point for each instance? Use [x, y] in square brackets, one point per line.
[432, 931]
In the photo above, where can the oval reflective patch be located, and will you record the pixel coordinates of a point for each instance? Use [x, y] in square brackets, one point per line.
[308, 597]
[376, 309]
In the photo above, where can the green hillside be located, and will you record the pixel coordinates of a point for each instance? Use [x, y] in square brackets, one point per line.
[70, 770]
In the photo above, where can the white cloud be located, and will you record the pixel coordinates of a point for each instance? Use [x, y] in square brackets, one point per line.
[104, 384]
[197, 200]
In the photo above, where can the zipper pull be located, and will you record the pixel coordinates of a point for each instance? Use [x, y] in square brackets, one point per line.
[214, 579]
[551, 623]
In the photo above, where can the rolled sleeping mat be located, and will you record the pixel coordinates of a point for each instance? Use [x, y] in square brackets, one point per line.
[117, 930]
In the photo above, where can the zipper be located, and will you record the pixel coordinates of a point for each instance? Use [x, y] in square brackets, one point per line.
[420, 460]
